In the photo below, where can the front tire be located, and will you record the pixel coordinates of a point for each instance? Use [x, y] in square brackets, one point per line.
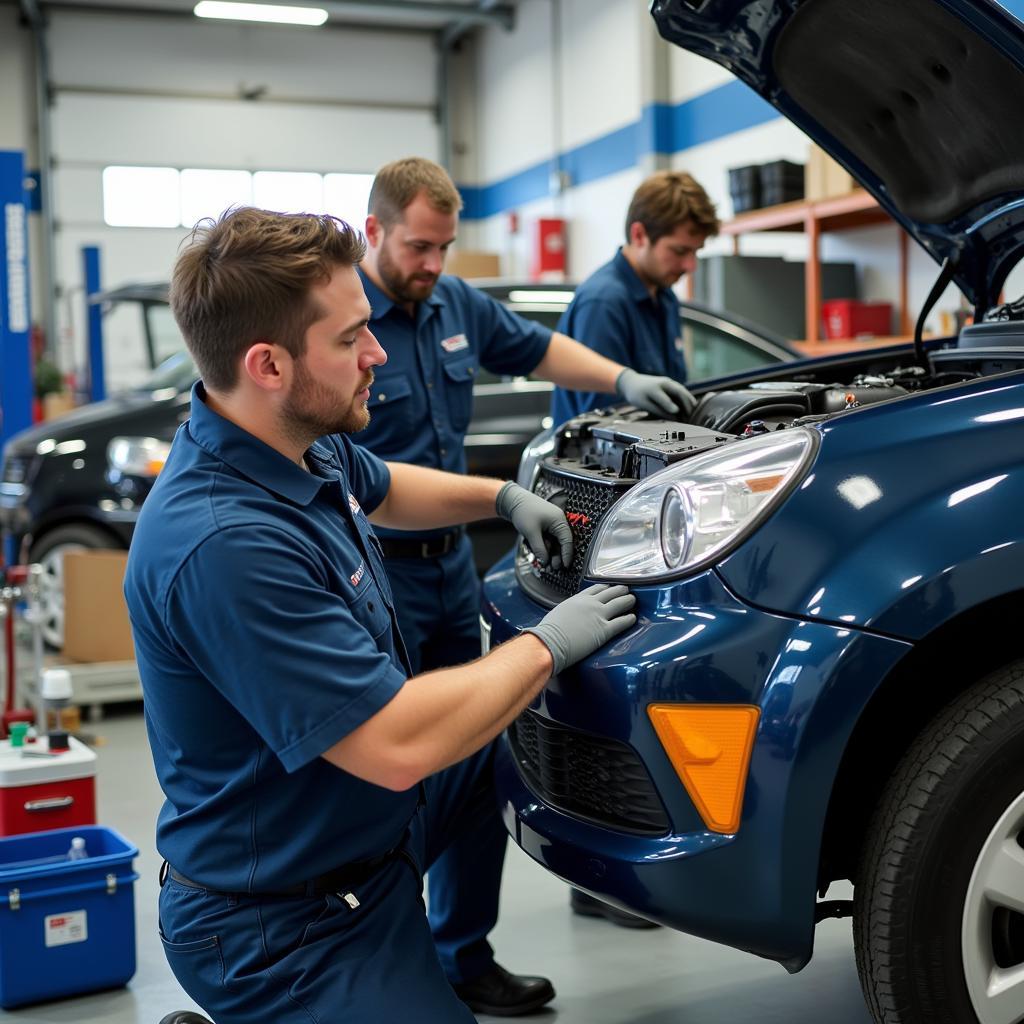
[939, 901]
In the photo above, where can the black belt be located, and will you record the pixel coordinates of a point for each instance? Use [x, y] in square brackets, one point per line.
[339, 880]
[429, 547]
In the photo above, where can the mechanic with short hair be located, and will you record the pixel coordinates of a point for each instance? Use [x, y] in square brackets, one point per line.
[438, 331]
[310, 775]
[626, 310]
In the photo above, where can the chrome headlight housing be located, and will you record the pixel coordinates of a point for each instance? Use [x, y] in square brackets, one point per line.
[137, 456]
[683, 517]
[538, 447]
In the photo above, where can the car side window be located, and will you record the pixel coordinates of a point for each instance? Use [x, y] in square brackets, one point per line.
[711, 352]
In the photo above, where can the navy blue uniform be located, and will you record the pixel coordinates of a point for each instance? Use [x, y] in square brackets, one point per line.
[265, 633]
[613, 313]
[420, 406]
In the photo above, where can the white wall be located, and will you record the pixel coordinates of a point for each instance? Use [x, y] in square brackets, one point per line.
[601, 62]
[166, 92]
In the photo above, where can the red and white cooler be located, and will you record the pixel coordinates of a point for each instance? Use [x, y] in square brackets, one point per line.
[40, 790]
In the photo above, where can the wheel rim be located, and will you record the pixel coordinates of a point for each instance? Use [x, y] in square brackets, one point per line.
[992, 937]
[51, 593]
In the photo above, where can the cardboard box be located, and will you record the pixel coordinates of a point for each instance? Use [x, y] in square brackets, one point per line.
[57, 404]
[470, 263]
[824, 178]
[95, 614]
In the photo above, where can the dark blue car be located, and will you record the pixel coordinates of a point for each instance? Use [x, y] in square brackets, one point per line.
[826, 679]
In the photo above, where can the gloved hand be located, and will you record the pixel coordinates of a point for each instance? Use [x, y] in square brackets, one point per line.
[660, 395]
[539, 522]
[584, 622]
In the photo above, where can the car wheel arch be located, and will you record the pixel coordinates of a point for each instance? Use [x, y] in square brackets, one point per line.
[940, 666]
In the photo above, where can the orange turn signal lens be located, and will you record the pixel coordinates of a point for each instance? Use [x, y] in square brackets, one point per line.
[709, 746]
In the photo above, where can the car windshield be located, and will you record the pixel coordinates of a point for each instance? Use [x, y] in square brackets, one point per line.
[167, 339]
[178, 372]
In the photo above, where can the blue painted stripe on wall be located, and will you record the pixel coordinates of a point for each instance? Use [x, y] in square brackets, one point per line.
[729, 108]
[661, 129]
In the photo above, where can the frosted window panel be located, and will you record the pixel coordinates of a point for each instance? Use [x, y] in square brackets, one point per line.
[141, 197]
[206, 193]
[288, 191]
[346, 196]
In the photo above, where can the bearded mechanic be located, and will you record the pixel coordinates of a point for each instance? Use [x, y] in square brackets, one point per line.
[311, 775]
[438, 331]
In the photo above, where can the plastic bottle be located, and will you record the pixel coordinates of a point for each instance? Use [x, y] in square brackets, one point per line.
[77, 851]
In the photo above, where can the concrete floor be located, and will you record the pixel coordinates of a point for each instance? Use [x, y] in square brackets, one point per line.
[603, 974]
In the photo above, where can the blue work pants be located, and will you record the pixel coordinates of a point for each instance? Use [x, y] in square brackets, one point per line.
[437, 601]
[252, 960]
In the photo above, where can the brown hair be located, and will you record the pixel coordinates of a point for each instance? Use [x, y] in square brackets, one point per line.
[670, 198]
[398, 183]
[246, 278]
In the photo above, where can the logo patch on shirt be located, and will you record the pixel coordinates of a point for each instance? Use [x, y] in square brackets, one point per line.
[353, 504]
[456, 343]
[357, 577]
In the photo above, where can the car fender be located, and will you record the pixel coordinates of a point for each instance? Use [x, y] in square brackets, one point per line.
[908, 516]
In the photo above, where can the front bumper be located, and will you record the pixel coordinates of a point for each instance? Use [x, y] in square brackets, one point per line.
[695, 642]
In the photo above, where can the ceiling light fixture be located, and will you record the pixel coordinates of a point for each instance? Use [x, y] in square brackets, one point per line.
[278, 14]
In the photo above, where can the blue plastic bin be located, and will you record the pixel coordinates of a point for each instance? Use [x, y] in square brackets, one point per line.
[66, 927]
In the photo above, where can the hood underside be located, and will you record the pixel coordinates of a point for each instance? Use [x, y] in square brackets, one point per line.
[917, 98]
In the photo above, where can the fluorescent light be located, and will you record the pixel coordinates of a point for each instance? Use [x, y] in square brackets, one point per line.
[278, 14]
[538, 295]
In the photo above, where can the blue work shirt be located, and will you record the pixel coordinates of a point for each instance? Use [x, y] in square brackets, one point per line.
[264, 634]
[421, 401]
[613, 313]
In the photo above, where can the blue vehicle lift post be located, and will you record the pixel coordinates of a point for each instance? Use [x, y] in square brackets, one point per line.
[16, 378]
[16, 386]
[94, 315]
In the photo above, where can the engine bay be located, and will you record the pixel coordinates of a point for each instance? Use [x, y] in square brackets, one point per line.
[592, 460]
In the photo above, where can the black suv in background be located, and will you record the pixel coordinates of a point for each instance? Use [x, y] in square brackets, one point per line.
[77, 482]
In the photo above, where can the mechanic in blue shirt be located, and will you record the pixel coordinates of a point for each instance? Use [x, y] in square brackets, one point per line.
[311, 777]
[438, 331]
[626, 310]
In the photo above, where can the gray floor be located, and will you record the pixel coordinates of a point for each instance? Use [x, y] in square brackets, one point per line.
[603, 974]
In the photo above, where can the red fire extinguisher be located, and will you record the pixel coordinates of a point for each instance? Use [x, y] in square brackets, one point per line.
[549, 252]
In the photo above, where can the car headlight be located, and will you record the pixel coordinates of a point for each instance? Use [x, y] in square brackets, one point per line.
[137, 456]
[684, 516]
[537, 448]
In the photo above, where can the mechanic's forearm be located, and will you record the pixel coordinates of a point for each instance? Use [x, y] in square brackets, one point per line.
[440, 718]
[574, 366]
[424, 499]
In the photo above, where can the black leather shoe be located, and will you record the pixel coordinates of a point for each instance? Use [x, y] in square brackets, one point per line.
[587, 906]
[502, 994]
[185, 1017]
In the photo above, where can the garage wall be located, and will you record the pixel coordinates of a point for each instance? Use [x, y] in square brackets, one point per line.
[329, 100]
[609, 69]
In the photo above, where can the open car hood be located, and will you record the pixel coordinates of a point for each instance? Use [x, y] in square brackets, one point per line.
[918, 99]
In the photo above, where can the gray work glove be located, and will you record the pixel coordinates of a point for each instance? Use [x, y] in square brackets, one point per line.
[541, 524]
[584, 622]
[661, 395]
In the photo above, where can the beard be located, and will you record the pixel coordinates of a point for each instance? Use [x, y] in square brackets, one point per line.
[408, 288]
[313, 409]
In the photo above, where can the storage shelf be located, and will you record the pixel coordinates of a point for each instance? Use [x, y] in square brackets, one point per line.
[857, 209]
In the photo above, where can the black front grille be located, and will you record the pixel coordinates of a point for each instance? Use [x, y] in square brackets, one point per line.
[16, 469]
[590, 777]
[584, 502]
